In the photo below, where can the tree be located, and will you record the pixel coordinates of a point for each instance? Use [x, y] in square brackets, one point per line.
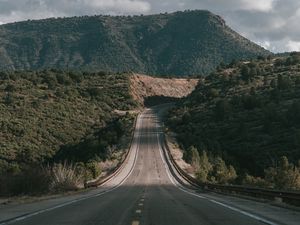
[191, 155]
[293, 113]
[205, 167]
[297, 81]
[250, 102]
[221, 173]
[283, 83]
[253, 72]
[8, 99]
[222, 109]
[245, 73]
[195, 158]
[10, 88]
[285, 176]
[212, 93]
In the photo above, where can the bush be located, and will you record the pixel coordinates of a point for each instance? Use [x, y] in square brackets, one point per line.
[293, 113]
[213, 170]
[65, 177]
[30, 181]
[285, 176]
[283, 83]
[221, 173]
[93, 169]
[205, 167]
[222, 109]
[255, 181]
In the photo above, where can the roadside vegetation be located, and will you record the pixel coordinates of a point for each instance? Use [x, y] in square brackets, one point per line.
[241, 125]
[57, 128]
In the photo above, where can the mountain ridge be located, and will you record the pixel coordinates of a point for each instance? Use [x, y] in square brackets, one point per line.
[180, 43]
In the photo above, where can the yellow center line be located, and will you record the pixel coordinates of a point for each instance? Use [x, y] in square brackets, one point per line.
[135, 222]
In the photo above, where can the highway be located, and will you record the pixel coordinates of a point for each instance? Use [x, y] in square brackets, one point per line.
[146, 192]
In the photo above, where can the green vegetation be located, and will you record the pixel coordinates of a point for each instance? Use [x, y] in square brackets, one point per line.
[210, 169]
[54, 123]
[247, 113]
[181, 43]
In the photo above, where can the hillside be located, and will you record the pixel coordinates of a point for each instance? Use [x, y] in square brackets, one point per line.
[43, 113]
[82, 118]
[181, 43]
[146, 89]
[248, 114]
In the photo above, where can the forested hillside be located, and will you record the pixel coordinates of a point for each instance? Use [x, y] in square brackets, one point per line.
[55, 116]
[247, 114]
[181, 43]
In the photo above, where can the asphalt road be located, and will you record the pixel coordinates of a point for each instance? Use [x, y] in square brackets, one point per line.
[146, 193]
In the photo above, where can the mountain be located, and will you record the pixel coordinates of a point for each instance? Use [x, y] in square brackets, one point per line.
[181, 43]
[248, 113]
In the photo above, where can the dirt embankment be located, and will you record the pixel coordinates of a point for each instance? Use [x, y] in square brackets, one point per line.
[143, 87]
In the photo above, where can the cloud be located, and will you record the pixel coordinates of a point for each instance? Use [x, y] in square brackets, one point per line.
[215, 5]
[293, 45]
[279, 26]
[119, 5]
[272, 23]
[16, 10]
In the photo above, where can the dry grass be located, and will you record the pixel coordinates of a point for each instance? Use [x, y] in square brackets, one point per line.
[65, 177]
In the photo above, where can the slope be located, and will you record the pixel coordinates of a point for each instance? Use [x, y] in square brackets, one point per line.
[181, 43]
[145, 89]
[248, 114]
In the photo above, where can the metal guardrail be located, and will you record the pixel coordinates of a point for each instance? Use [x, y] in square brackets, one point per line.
[117, 169]
[289, 197]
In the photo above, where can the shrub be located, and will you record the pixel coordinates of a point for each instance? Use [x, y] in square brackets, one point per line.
[221, 173]
[34, 180]
[285, 176]
[65, 177]
[255, 181]
[214, 170]
[205, 167]
[222, 109]
[93, 168]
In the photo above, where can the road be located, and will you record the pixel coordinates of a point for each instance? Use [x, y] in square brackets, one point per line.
[145, 192]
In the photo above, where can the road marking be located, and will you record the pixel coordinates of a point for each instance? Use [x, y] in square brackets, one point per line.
[138, 211]
[141, 204]
[180, 187]
[135, 223]
[23, 217]
[244, 212]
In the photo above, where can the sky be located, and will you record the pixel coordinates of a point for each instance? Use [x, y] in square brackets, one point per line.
[274, 24]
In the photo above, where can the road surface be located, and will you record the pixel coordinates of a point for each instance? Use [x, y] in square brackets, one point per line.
[145, 192]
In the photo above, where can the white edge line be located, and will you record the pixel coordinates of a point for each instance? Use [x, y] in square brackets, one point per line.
[14, 220]
[180, 187]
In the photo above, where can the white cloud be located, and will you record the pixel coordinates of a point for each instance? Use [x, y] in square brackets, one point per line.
[120, 5]
[16, 10]
[259, 5]
[293, 46]
[265, 44]
[215, 5]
